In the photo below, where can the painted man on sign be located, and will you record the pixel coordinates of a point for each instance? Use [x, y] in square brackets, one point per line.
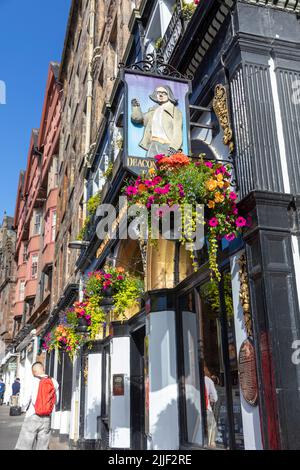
[162, 123]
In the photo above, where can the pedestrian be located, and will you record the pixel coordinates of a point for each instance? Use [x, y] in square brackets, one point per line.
[15, 392]
[36, 428]
[211, 397]
[2, 391]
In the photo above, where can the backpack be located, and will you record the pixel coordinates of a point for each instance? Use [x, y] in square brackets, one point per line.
[46, 397]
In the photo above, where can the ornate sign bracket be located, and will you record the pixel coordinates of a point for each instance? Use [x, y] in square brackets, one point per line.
[154, 63]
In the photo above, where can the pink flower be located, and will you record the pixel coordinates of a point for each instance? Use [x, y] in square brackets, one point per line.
[131, 190]
[221, 169]
[148, 183]
[240, 222]
[232, 196]
[107, 276]
[235, 211]
[88, 317]
[248, 221]
[157, 180]
[213, 222]
[159, 157]
[163, 190]
[120, 278]
[230, 236]
[150, 200]
[208, 164]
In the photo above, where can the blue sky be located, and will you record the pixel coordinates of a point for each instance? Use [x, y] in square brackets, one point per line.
[31, 35]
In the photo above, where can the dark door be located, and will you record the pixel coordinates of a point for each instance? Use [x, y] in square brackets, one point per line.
[137, 390]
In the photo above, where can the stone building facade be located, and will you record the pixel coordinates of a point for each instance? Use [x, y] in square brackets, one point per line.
[7, 280]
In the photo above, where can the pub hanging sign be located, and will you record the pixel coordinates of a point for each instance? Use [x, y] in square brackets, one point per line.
[156, 117]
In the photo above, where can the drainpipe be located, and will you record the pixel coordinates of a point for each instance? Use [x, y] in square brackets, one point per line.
[91, 40]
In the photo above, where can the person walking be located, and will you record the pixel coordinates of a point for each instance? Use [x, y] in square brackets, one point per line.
[211, 397]
[36, 429]
[2, 391]
[15, 392]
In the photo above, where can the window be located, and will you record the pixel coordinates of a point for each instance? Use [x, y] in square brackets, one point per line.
[34, 266]
[55, 171]
[158, 23]
[37, 223]
[21, 291]
[25, 252]
[53, 226]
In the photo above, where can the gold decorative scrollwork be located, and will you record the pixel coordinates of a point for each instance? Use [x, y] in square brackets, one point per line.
[220, 106]
[245, 295]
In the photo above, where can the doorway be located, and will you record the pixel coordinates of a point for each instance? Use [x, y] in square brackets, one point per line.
[137, 389]
[210, 404]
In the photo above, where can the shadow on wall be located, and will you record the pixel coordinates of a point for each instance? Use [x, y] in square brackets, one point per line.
[92, 412]
[165, 434]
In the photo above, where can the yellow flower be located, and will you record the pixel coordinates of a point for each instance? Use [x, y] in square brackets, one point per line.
[211, 185]
[151, 171]
[219, 177]
[220, 184]
[219, 197]
[211, 204]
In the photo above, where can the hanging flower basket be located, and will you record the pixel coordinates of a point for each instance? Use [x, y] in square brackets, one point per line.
[62, 338]
[178, 182]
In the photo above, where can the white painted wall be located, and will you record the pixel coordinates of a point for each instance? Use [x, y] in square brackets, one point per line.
[75, 403]
[163, 395]
[55, 420]
[64, 422]
[119, 432]
[250, 414]
[93, 395]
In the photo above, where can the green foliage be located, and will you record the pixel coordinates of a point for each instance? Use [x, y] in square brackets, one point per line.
[93, 203]
[158, 43]
[128, 294]
[107, 174]
[188, 10]
[97, 314]
[92, 206]
[82, 234]
[210, 294]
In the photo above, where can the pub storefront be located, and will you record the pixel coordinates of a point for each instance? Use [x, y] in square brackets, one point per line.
[204, 365]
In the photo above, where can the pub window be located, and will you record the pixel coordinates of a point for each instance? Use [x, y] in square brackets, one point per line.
[211, 411]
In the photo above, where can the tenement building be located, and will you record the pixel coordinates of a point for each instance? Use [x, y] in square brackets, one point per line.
[8, 362]
[35, 225]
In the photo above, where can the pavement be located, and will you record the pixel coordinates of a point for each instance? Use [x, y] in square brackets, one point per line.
[10, 427]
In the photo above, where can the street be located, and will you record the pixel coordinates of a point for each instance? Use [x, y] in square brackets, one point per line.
[9, 428]
[9, 431]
